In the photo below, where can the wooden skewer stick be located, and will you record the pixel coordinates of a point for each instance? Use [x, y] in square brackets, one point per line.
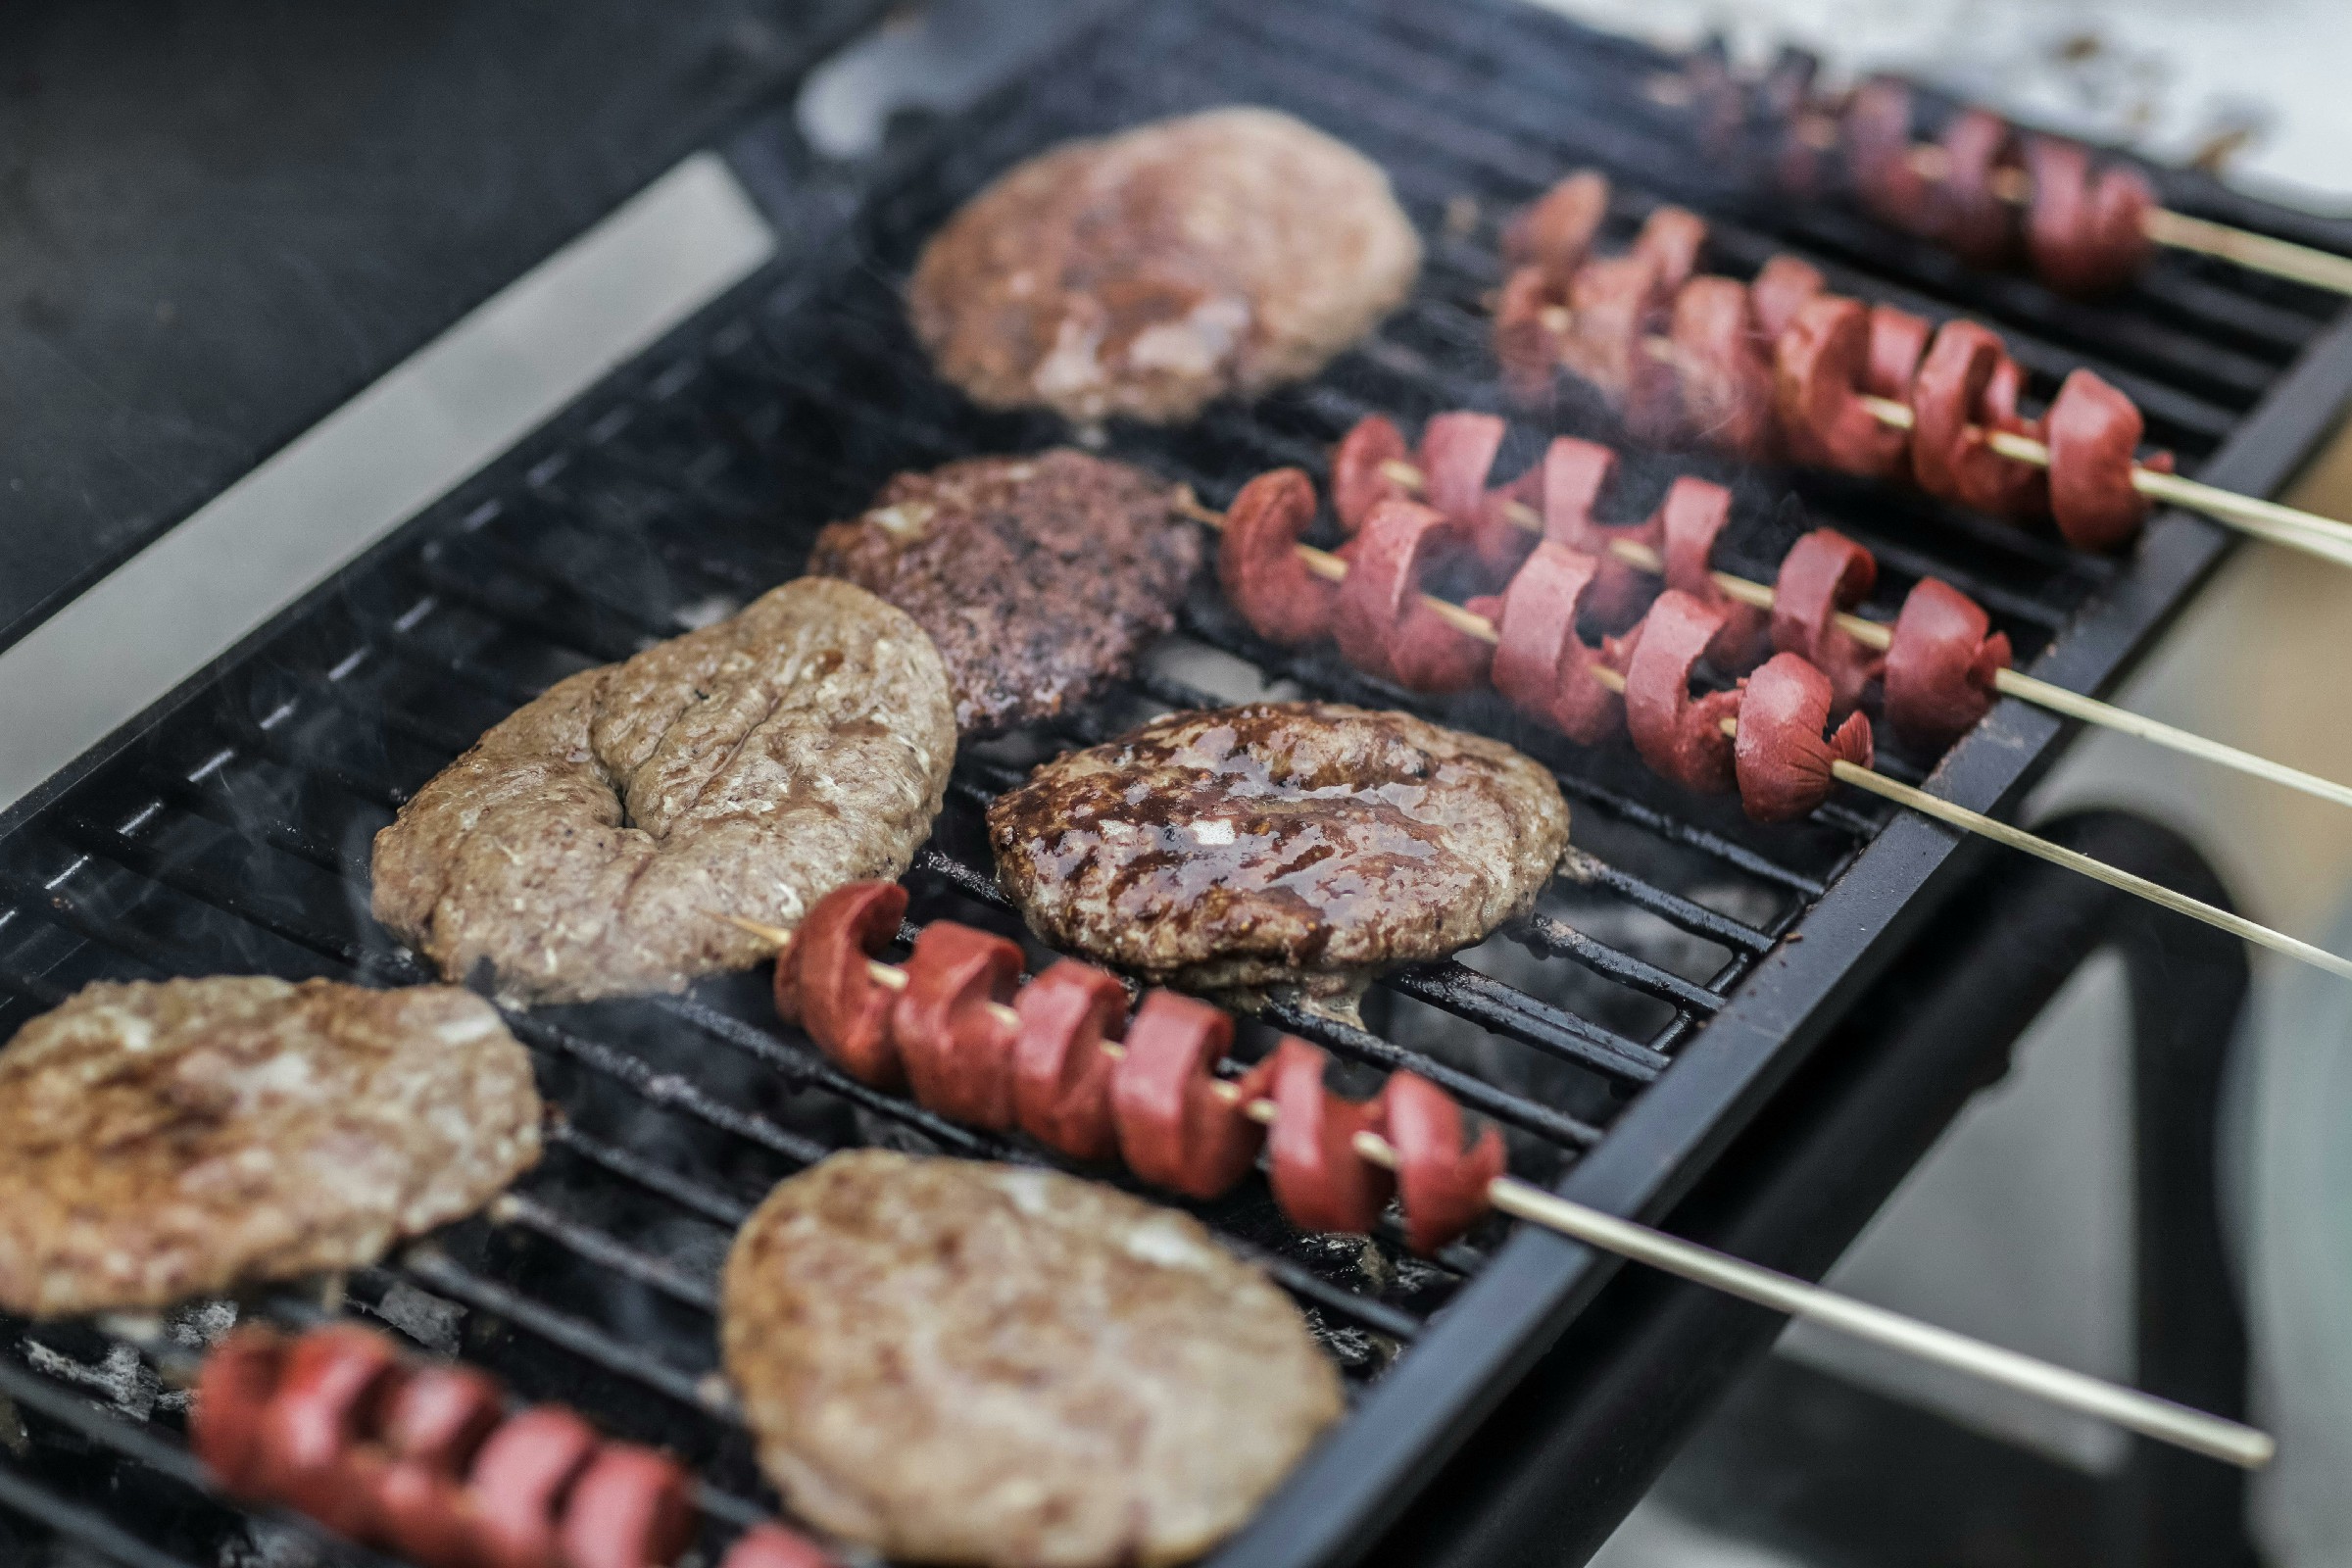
[2011, 683]
[1326, 564]
[2230, 1442]
[2264, 519]
[2259, 253]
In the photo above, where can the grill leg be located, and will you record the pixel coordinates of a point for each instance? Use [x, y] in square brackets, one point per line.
[1585, 1435]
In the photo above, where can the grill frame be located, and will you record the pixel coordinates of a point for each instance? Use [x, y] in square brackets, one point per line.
[1783, 996]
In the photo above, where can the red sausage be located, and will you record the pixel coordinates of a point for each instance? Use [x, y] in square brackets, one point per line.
[1780, 290]
[1554, 235]
[2087, 234]
[1818, 381]
[1724, 381]
[441, 1414]
[2093, 431]
[232, 1398]
[836, 998]
[1382, 627]
[1615, 305]
[1678, 735]
[1258, 564]
[1457, 452]
[1940, 669]
[1061, 1074]
[1321, 1182]
[1672, 236]
[1174, 1129]
[1878, 144]
[1970, 217]
[317, 1452]
[1823, 574]
[1443, 1184]
[1359, 480]
[1692, 517]
[1897, 341]
[631, 1508]
[1576, 475]
[774, 1546]
[1531, 332]
[1784, 764]
[1967, 386]
[954, 1047]
[517, 1486]
[426, 1517]
[1543, 666]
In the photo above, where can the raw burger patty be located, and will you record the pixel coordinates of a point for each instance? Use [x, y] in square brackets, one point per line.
[1148, 272]
[984, 1364]
[164, 1141]
[586, 845]
[1038, 578]
[1278, 847]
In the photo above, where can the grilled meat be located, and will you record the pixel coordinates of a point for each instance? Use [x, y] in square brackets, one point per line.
[1038, 578]
[979, 1364]
[1278, 848]
[163, 1141]
[1148, 272]
[585, 846]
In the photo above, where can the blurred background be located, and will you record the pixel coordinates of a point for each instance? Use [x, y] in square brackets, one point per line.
[128, 221]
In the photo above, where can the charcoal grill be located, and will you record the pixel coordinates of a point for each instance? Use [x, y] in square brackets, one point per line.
[1684, 968]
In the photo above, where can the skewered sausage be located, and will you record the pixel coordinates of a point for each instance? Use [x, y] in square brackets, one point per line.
[1824, 574]
[1678, 735]
[631, 1508]
[1321, 1182]
[1966, 387]
[1062, 1073]
[824, 982]
[1541, 662]
[2094, 431]
[954, 1043]
[1723, 380]
[1692, 517]
[1942, 665]
[1380, 620]
[1979, 148]
[1897, 341]
[1820, 373]
[1175, 1131]
[1877, 137]
[1784, 765]
[2087, 232]
[1555, 234]
[1258, 564]
[1576, 477]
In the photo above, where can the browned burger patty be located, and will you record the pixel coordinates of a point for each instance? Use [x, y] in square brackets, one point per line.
[1038, 578]
[983, 1364]
[1278, 848]
[586, 845]
[163, 1141]
[1148, 272]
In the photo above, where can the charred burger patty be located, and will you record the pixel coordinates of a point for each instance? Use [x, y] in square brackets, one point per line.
[1038, 578]
[1279, 847]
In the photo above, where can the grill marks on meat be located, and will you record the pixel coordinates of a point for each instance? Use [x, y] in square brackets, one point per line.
[582, 847]
[966, 1363]
[1282, 848]
[160, 1141]
[1037, 578]
[1149, 272]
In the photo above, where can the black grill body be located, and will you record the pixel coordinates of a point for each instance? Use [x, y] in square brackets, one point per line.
[1682, 970]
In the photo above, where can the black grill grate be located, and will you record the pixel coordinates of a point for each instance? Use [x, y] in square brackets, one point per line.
[229, 830]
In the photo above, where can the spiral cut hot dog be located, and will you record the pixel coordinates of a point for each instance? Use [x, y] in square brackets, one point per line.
[427, 1461]
[2083, 227]
[1590, 647]
[1780, 368]
[1061, 1060]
